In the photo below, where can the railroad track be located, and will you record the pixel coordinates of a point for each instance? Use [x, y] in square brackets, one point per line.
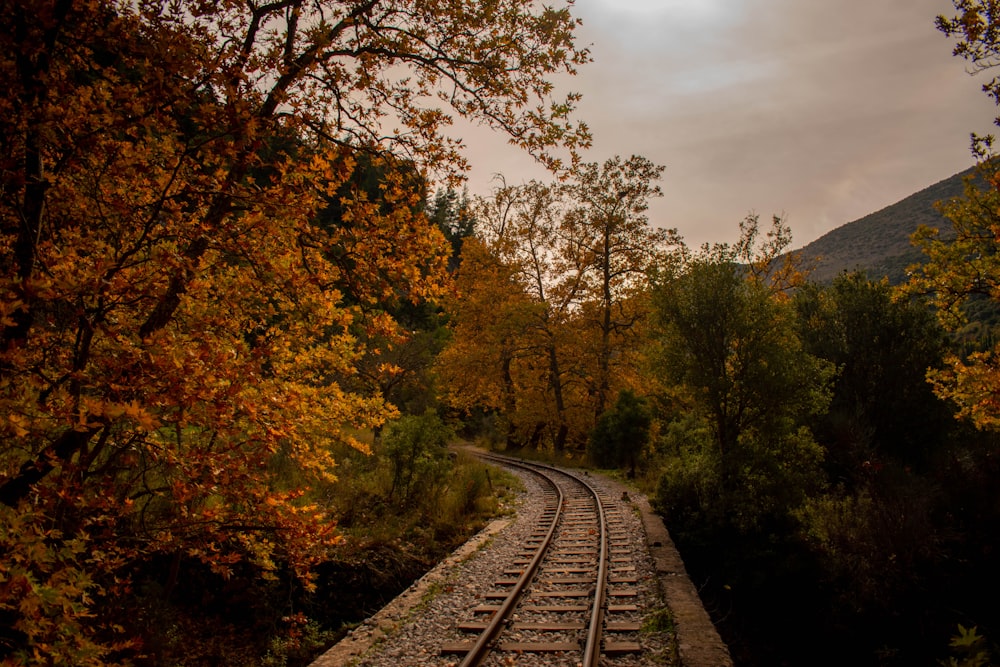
[569, 596]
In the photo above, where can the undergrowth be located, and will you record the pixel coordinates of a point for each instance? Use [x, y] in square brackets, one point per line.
[399, 510]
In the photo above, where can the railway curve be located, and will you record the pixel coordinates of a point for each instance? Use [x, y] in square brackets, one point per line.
[561, 591]
[442, 616]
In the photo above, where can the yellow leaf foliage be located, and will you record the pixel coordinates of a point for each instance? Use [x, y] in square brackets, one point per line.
[961, 267]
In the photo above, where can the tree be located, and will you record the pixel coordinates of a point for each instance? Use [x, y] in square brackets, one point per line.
[416, 447]
[891, 448]
[977, 30]
[766, 261]
[960, 269]
[578, 254]
[727, 340]
[398, 330]
[736, 376]
[882, 408]
[476, 370]
[964, 269]
[523, 226]
[452, 214]
[173, 316]
[621, 433]
[610, 235]
[518, 230]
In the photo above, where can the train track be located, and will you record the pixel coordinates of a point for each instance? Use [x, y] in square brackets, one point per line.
[560, 597]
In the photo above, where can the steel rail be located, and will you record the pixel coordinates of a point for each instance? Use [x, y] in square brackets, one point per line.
[481, 649]
[592, 648]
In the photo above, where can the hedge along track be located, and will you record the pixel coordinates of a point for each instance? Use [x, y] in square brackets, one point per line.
[562, 578]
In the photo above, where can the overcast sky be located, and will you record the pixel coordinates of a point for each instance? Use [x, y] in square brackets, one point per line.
[822, 110]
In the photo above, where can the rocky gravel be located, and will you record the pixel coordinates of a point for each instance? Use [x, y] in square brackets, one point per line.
[412, 629]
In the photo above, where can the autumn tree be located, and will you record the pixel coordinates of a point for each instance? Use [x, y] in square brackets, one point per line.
[976, 29]
[524, 226]
[767, 259]
[580, 256]
[518, 229]
[489, 313]
[610, 236]
[399, 334]
[961, 268]
[172, 316]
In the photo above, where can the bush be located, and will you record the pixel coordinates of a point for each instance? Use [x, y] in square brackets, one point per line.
[874, 544]
[416, 448]
[469, 494]
[621, 433]
[754, 486]
[690, 476]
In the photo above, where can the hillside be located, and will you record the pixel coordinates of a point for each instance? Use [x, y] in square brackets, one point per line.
[879, 243]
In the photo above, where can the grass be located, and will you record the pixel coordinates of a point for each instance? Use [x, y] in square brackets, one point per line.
[661, 621]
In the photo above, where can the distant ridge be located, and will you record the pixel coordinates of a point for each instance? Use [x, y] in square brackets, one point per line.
[879, 243]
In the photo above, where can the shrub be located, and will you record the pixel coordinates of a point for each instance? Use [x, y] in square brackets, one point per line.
[416, 448]
[621, 433]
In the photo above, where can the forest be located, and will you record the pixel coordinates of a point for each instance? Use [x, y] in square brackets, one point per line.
[246, 307]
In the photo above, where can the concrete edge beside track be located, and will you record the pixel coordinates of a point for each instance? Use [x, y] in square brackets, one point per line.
[699, 643]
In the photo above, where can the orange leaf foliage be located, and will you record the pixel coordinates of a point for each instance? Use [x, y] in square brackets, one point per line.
[178, 303]
[553, 300]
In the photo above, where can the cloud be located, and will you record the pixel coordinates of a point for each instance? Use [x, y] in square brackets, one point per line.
[825, 111]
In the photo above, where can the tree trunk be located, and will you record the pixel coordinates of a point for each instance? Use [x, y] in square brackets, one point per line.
[555, 382]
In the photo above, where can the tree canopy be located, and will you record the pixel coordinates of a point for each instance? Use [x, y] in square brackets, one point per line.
[959, 270]
[180, 305]
[963, 269]
[554, 293]
[976, 29]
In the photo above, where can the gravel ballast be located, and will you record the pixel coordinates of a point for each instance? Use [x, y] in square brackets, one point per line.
[412, 628]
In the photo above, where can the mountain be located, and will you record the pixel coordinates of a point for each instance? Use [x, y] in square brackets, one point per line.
[879, 243]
